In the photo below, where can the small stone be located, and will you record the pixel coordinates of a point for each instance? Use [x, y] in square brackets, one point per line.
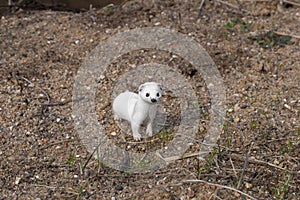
[248, 185]
[236, 120]
[113, 133]
[31, 85]
[191, 192]
[17, 181]
[101, 117]
[230, 110]
[119, 187]
[102, 77]
[287, 106]
[133, 66]
[244, 106]
[236, 107]
[237, 194]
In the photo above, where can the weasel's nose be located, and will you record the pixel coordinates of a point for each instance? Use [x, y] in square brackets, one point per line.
[153, 100]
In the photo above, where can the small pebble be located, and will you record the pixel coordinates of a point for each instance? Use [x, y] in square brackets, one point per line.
[113, 134]
[119, 187]
[287, 106]
[236, 120]
[102, 77]
[248, 185]
[17, 181]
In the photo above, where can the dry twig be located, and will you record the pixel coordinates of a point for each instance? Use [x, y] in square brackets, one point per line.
[33, 85]
[291, 2]
[200, 7]
[173, 158]
[285, 34]
[234, 6]
[218, 185]
[253, 160]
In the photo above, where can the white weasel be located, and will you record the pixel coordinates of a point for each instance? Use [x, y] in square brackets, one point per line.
[136, 108]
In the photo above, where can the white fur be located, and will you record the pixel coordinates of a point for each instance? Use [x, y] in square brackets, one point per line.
[136, 108]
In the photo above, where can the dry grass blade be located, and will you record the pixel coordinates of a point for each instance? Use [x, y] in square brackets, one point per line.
[244, 168]
[57, 143]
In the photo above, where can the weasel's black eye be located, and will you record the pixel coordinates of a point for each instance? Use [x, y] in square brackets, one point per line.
[157, 94]
[147, 94]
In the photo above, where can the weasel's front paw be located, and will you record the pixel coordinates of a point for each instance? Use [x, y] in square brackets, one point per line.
[137, 136]
[149, 130]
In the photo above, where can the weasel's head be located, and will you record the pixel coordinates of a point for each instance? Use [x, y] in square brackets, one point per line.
[150, 92]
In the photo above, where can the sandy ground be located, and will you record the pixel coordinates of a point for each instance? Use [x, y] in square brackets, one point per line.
[255, 46]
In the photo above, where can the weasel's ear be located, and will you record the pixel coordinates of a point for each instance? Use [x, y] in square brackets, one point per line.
[141, 87]
[160, 86]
